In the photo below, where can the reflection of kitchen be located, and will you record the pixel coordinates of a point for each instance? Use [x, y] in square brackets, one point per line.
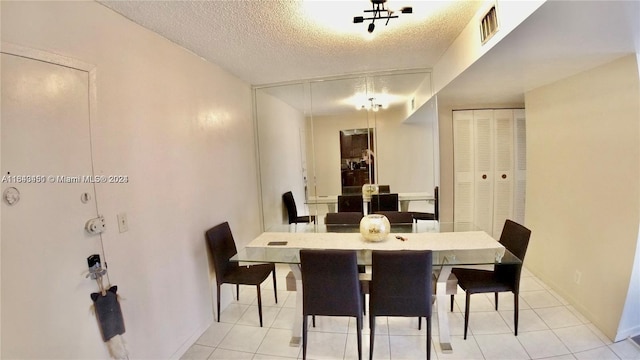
[357, 160]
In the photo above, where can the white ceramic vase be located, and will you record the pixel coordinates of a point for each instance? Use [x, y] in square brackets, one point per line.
[375, 227]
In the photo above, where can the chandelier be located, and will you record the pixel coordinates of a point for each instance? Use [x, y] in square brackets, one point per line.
[379, 12]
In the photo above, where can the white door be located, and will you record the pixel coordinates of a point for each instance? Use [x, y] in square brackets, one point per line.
[484, 167]
[45, 132]
[463, 164]
[504, 174]
[520, 166]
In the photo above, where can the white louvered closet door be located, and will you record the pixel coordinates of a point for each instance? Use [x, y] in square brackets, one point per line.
[483, 174]
[463, 165]
[504, 172]
[490, 167]
[520, 169]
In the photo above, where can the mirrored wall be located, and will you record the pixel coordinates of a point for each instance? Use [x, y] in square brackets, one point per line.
[321, 139]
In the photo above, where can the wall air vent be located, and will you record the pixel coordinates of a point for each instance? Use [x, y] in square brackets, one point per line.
[488, 25]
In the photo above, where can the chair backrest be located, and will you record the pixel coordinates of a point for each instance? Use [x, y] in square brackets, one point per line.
[436, 207]
[330, 284]
[384, 202]
[401, 283]
[397, 217]
[350, 203]
[515, 238]
[352, 190]
[384, 189]
[222, 247]
[290, 203]
[343, 218]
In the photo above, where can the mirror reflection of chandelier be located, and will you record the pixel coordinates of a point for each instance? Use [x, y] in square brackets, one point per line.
[372, 104]
[379, 12]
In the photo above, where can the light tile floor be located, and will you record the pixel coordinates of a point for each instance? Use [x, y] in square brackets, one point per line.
[549, 328]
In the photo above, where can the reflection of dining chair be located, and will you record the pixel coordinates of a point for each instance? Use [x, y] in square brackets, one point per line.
[401, 285]
[384, 189]
[384, 202]
[292, 210]
[435, 215]
[222, 247]
[352, 190]
[397, 217]
[330, 287]
[350, 203]
[343, 218]
[504, 277]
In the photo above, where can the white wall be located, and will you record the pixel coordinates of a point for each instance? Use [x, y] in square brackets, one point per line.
[281, 148]
[405, 153]
[181, 129]
[583, 190]
[467, 48]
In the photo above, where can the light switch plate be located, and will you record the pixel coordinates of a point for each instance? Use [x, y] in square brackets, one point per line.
[123, 223]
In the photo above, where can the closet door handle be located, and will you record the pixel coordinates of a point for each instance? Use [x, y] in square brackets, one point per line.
[484, 176]
[504, 176]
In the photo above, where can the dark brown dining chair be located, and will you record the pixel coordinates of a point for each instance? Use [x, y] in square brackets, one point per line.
[398, 217]
[435, 215]
[343, 218]
[347, 222]
[222, 247]
[504, 277]
[401, 285]
[330, 287]
[292, 210]
[384, 202]
[350, 203]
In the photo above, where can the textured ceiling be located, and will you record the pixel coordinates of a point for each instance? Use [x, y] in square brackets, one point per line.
[268, 42]
[265, 42]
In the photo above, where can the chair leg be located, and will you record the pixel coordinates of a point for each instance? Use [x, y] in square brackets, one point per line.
[275, 288]
[372, 332]
[218, 302]
[364, 301]
[259, 304]
[304, 337]
[359, 334]
[237, 292]
[495, 295]
[515, 312]
[419, 323]
[428, 337]
[313, 318]
[452, 301]
[466, 314]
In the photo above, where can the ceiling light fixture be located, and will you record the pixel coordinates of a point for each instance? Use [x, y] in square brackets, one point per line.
[372, 104]
[378, 9]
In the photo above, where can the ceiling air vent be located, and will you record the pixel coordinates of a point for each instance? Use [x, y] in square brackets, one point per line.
[488, 25]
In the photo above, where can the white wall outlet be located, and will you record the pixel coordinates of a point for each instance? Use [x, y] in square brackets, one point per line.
[123, 223]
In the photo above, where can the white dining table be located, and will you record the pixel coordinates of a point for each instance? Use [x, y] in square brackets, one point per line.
[456, 248]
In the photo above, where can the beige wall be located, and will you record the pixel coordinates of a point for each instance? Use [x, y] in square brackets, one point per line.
[281, 135]
[583, 142]
[181, 129]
